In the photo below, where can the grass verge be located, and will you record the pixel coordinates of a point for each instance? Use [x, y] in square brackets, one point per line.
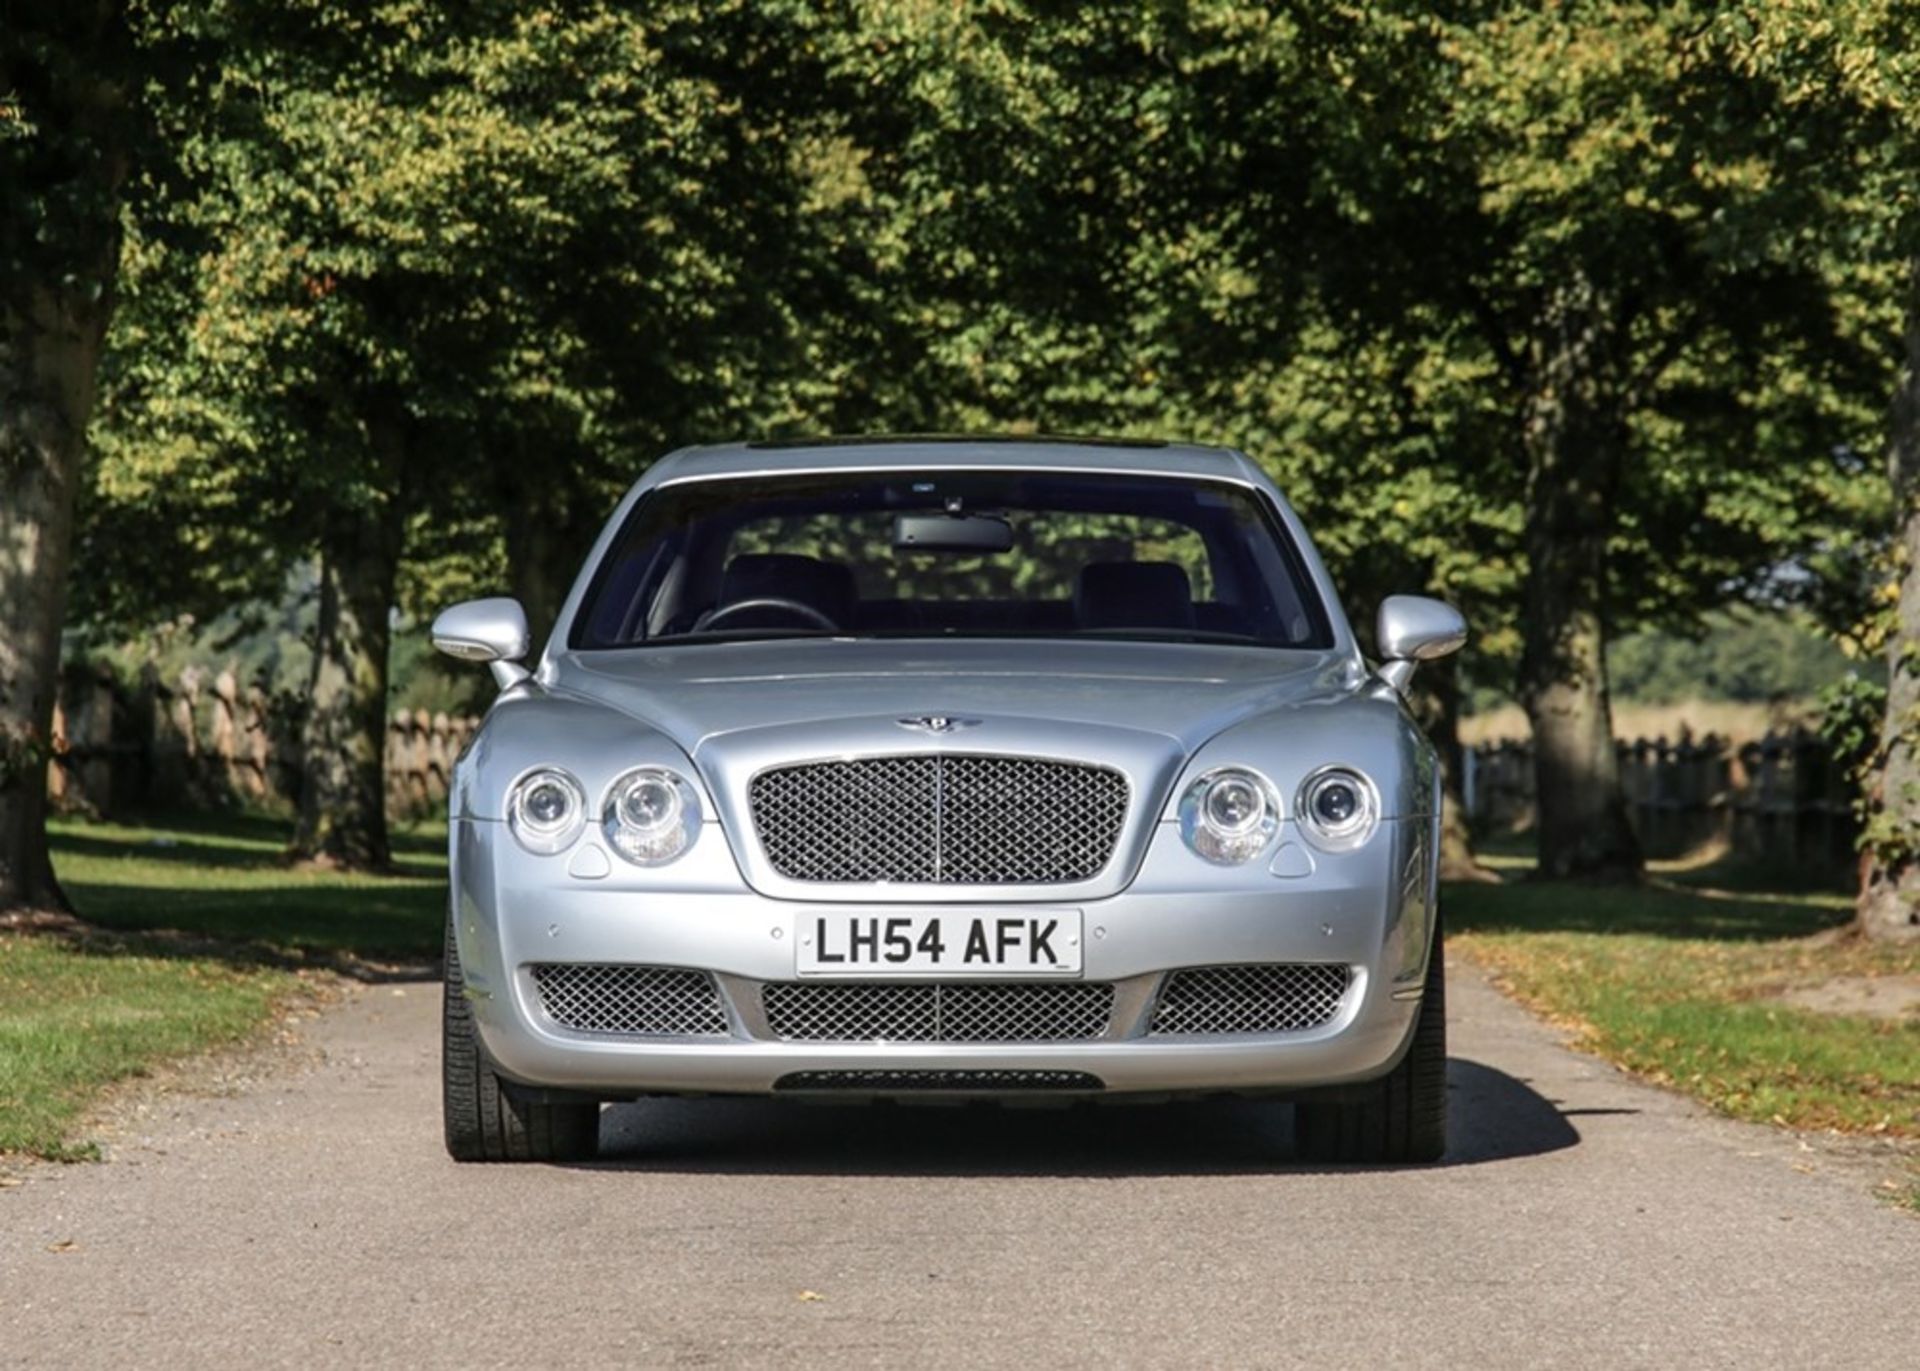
[1680, 981]
[222, 876]
[76, 1017]
[81, 1011]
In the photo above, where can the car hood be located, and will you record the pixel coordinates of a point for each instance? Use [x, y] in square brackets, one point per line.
[1184, 692]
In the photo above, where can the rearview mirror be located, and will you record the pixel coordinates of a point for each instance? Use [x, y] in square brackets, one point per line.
[1412, 629]
[493, 631]
[951, 533]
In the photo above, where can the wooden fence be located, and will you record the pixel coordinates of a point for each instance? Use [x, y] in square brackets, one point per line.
[203, 739]
[1779, 799]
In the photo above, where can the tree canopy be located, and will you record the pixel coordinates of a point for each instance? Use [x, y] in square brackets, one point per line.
[1583, 316]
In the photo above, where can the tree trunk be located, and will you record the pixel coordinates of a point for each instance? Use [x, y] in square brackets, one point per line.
[1576, 446]
[49, 349]
[550, 525]
[542, 557]
[343, 779]
[1889, 905]
[60, 190]
[1438, 707]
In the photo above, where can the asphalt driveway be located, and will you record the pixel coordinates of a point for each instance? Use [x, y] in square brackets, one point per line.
[1581, 1220]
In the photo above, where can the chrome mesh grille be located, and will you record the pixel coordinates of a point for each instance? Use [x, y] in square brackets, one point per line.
[889, 1082]
[937, 1011]
[639, 1001]
[939, 820]
[1282, 997]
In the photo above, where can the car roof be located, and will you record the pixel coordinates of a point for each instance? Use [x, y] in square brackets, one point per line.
[933, 451]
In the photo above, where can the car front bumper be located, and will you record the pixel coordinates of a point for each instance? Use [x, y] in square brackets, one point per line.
[1368, 911]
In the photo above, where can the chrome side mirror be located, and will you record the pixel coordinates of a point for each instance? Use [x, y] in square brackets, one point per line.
[1412, 629]
[493, 631]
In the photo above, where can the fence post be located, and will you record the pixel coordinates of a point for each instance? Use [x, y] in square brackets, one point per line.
[223, 737]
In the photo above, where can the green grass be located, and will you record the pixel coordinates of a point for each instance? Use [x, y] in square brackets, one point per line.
[75, 1019]
[223, 876]
[1678, 980]
[78, 1013]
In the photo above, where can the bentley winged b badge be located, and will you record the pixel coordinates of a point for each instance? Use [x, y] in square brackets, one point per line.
[937, 723]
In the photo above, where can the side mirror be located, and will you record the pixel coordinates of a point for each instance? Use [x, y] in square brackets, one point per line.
[1412, 629]
[493, 631]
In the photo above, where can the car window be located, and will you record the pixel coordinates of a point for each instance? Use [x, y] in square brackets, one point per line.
[952, 554]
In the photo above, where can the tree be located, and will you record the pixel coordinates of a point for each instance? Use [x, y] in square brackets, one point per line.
[1605, 197]
[65, 144]
[423, 262]
[292, 393]
[1889, 905]
[1846, 77]
[307, 329]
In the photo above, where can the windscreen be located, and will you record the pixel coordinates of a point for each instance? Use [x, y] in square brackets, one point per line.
[950, 554]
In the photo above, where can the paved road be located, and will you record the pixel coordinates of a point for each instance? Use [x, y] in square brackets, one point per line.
[1583, 1220]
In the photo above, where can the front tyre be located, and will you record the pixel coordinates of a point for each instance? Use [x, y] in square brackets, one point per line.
[483, 1122]
[1402, 1117]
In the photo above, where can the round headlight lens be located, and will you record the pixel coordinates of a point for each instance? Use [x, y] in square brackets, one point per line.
[546, 809]
[1335, 803]
[547, 804]
[1339, 809]
[1234, 804]
[649, 804]
[651, 816]
[1229, 816]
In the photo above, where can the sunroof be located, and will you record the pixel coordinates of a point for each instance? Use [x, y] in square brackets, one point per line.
[872, 439]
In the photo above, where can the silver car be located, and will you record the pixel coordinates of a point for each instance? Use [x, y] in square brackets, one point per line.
[976, 768]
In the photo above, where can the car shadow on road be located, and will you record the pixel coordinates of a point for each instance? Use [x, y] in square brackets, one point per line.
[1495, 1117]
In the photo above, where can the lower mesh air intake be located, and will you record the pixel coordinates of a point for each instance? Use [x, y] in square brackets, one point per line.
[632, 1001]
[1274, 997]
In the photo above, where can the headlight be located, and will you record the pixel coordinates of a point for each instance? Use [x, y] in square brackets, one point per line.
[546, 809]
[651, 816]
[1229, 816]
[1338, 808]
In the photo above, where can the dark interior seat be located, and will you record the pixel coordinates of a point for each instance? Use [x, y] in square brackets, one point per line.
[1133, 595]
[825, 586]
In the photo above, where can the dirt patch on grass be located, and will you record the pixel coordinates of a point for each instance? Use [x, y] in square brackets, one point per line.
[124, 1110]
[120, 1114]
[1874, 997]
